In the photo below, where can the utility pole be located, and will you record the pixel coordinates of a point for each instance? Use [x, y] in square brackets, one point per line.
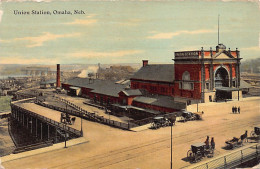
[81, 130]
[65, 138]
[171, 123]
[171, 144]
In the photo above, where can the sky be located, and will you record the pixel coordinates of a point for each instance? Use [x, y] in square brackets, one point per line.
[124, 31]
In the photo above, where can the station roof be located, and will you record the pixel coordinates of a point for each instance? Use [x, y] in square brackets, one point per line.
[161, 101]
[156, 72]
[105, 87]
[244, 84]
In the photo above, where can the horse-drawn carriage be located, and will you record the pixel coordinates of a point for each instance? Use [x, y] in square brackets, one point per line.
[66, 118]
[160, 122]
[198, 151]
[236, 142]
[256, 132]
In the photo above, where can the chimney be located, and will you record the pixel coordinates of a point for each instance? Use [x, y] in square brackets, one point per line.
[58, 76]
[145, 62]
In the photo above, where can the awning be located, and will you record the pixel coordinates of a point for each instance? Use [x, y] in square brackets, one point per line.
[121, 106]
[74, 88]
[228, 89]
[137, 108]
[146, 110]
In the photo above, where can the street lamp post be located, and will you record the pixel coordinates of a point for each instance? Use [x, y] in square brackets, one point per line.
[64, 121]
[81, 130]
[128, 117]
[65, 137]
[198, 106]
[171, 124]
[171, 145]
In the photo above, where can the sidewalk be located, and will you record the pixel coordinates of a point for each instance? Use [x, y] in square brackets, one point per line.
[54, 147]
[193, 107]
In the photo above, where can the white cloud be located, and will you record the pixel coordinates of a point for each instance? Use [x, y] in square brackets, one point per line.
[27, 0]
[87, 21]
[1, 14]
[170, 35]
[4, 41]
[191, 48]
[24, 60]
[252, 48]
[94, 54]
[131, 22]
[46, 36]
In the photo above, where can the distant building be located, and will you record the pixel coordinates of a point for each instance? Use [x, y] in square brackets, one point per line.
[48, 84]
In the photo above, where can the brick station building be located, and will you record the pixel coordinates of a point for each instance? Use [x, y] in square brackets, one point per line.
[196, 76]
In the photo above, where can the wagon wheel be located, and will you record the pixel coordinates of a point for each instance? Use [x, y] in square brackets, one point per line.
[152, 126]
[253, 134]
[190, 155]
[158, 125]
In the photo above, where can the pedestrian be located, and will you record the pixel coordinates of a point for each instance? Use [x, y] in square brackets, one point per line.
[207, 142]
[233, 110]
[212, 143]
[238, 110]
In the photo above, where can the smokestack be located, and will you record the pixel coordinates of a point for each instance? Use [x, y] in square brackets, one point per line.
[145, 62]
[58, 76]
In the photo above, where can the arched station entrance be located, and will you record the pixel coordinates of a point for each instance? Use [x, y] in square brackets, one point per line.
[221, 77]
[222, 84]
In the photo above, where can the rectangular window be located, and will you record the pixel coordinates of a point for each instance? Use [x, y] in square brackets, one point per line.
[143, 86]
[207, 86]
[187, 86]
[180, 85]
[153, 88]
[162, 89]
[191, 86]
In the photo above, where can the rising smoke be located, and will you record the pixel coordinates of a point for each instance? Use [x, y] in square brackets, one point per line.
[91, 69]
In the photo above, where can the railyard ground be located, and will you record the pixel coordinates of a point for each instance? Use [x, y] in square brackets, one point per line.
[111, 148]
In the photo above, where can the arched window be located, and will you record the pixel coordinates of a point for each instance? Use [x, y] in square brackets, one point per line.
[186, 75]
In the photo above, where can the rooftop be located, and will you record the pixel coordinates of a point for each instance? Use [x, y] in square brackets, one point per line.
[162, 101]
[156, 72]
[105, 87]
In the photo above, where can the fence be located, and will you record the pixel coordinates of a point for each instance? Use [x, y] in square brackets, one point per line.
[232, 160]
[87, 115]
